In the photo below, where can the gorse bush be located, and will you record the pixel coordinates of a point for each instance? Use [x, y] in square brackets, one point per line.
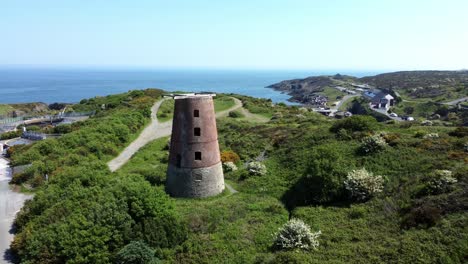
[362, 185]
[296, 234]
[373, 144]
[229, 156]
[256, 168]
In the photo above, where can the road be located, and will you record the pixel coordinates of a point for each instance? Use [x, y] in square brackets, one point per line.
[10, 203]
[343, 100]
[384, 112]
[454, 102]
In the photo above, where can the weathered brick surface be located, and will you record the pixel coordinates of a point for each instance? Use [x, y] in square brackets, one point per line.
[187, 176]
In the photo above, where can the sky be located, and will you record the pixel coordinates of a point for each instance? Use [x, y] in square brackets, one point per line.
[236, 34]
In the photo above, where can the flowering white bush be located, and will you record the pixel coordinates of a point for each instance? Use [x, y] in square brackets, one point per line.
[256, 168]
[229, 166]
[441, 181]
[431, 135]
[296, 234]
[362, 184]
[373, 143]
[426, 123]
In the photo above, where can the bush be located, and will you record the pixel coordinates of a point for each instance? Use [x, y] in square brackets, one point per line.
[373, 144]
[229, 156]
[459, 132]
[355, 123]
[392, 139]
[135, 252]
[362, 185]
[11, 134]
[427, 123]
[256, 168]
[439, 182]
[229, 166]
[422, 216]
[419, 134]
[295, 234]
[235, 114]
[325, 172]
[431, 136]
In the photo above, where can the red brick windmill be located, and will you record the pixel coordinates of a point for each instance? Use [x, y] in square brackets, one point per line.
[195, 168]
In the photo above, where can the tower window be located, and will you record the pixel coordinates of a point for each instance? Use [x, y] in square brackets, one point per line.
[196, 131]
[197, 155]
[196, 113]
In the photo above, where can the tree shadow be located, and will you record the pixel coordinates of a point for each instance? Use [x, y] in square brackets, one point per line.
[302, 194]
[10, 257]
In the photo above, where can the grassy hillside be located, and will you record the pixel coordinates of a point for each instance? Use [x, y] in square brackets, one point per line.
[436, 85]
[418, 216]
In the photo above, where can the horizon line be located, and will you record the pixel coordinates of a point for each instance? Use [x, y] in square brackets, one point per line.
[211, 68]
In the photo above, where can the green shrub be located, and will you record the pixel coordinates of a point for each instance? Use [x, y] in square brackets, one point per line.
[459, 132]
[136, 252]
[326, 170]
[235, 114]
[11, 134]
[422, 216]
[355, 123]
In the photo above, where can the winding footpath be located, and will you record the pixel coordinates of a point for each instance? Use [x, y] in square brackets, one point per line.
[153, 131]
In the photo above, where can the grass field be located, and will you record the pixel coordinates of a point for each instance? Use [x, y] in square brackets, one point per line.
[332, 94]
[420, 109]
[4, 109]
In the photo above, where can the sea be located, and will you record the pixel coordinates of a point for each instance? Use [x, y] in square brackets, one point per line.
[70, 85]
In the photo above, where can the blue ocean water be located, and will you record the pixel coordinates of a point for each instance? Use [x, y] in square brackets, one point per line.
[71, 85]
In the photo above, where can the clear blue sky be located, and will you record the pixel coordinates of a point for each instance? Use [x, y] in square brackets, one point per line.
[288, 34]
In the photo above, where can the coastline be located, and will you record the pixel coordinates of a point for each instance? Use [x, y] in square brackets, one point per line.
[11, 201]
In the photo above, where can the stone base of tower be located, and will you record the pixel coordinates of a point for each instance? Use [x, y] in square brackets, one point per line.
[195, 182]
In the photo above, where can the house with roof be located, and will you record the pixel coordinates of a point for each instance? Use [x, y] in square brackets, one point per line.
[380, 99]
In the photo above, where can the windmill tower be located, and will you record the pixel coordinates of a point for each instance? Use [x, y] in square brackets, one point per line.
[195, 168]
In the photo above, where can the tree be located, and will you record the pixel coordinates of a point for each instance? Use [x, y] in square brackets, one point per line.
[408, 110]
[136, 252]
[326, 170]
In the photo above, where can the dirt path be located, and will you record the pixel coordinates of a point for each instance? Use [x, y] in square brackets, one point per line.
[454, 102]
[154, 131]
[248, 115]
[224, 113]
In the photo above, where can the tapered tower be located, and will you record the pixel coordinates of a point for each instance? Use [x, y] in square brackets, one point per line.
[195, 168]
